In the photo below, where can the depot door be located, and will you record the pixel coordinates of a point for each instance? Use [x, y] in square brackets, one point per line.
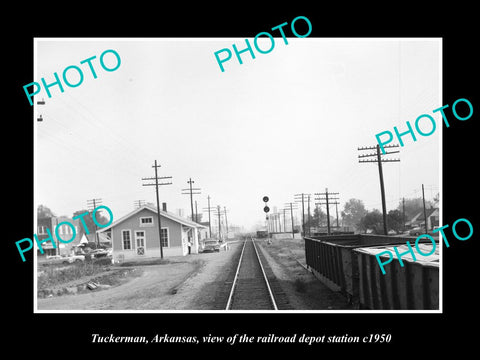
[140, 242]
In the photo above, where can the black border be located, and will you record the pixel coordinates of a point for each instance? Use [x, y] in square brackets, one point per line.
[432, 332]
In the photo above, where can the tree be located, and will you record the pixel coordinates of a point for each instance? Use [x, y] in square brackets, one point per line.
[413, 207]
[196, 217]
[44, 212]
[101, 219]
[319, 217]
[353, 211]
[395, 220]
[373, 220]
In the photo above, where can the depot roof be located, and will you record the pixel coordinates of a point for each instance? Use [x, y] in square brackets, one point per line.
[153, 209]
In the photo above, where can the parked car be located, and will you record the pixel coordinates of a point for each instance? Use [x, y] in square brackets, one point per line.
[76, 258]
[98, 253]
[416, 231]
[59, 259]
[211, 245]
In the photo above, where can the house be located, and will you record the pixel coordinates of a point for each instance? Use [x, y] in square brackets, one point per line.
[135, 235]
[419, 219]
[98, 239]
[205, 230]
[64, 232]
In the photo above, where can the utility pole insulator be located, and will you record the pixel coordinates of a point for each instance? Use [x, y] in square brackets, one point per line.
[379, 160]
[157, 184]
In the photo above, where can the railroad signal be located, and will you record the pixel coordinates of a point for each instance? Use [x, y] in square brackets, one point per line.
[265, 200]
[266, 209]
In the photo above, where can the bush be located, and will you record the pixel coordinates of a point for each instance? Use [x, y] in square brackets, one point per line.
[300, 285]
[54, 275]
[153, 261]
[103, 261]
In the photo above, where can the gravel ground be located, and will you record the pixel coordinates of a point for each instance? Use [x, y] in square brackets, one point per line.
[179, 285]
[203, 281]
[304, 290]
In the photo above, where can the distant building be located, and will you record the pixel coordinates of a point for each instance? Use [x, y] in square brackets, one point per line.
[204, 231]
[135, 235]
[433, 219]
[64, 232]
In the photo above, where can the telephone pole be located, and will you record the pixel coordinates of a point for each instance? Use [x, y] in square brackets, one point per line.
[336, 210]
[379, 160]
[226, 221]
[273, 218]
[138, 203]
[219, 214]
[196, 212]
[209, 219]
[92, 204]
[157, 184]
[191, 191]
[291, 206]
[326, 198]
[424, 210]
[301, 198]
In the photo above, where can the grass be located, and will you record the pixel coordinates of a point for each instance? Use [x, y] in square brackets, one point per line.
[153, 261]
[52, 276]
[300, 285]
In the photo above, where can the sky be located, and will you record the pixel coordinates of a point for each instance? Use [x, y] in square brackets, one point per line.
[284, 123]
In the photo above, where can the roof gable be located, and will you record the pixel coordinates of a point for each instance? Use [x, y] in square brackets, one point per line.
[165, 214]
[429, 211]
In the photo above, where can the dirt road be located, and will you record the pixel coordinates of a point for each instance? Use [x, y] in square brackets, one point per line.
[202, 282]
[172, 286]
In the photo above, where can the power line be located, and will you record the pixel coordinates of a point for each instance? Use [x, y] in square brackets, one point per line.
[191, 191]
[209, 220]
[326, 198]
[157, 184]
[138, 203]
[226, 221]
[301, 198]
[379, 160]
[92, 205]
[218, 213]
[291, 206]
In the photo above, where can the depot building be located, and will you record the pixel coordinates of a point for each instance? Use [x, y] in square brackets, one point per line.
[136, 235]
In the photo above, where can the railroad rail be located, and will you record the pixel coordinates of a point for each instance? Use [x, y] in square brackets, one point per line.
[250, 289]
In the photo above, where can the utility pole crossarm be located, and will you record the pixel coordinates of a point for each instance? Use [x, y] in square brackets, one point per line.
[379, 160]
[375, 147]
[191, 191]
[157, 184]
[92, 204]
[301, 198]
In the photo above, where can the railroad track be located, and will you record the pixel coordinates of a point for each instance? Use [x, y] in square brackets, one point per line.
[251, 289]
